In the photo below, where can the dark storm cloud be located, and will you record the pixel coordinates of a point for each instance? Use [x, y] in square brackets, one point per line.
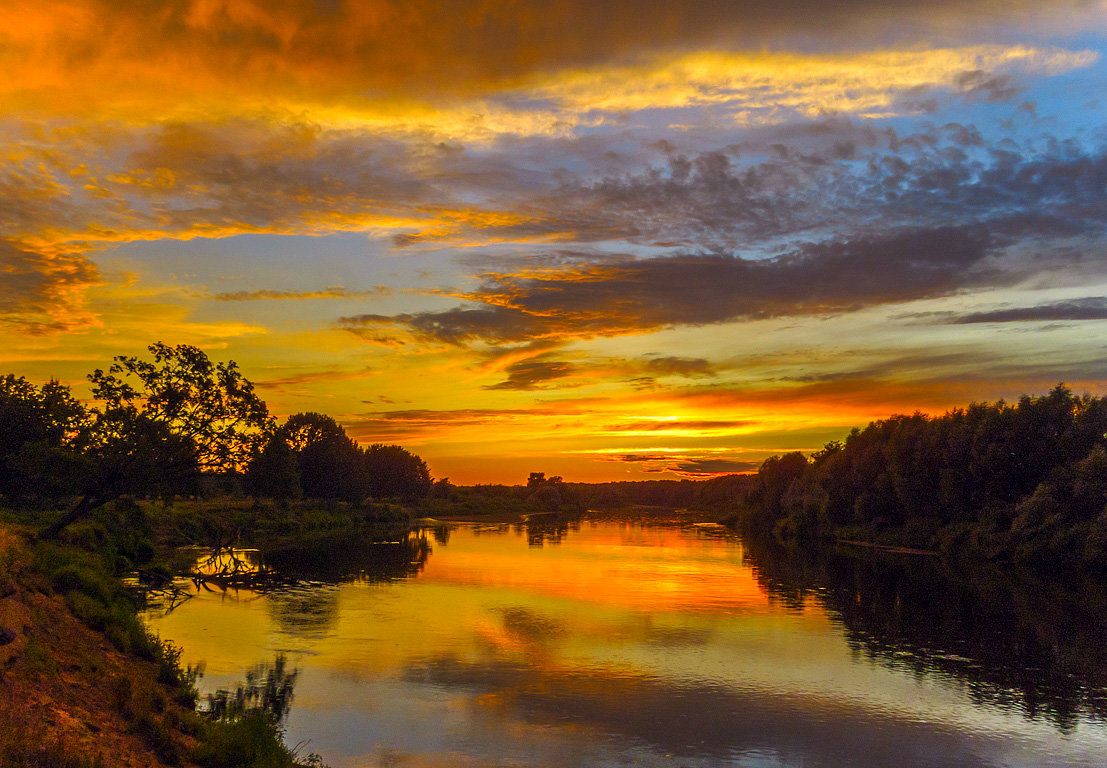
[662, 426]
[709, 467]
[684, 465]
[810, 177]
[1091, 308]
[991, 87]
[679, 366]
[411, 423]
[299, 382]
[546, 371]
[924, 365]
[183, 179]
[429, 418]
[623, 297]
[255, 176]
[687, 200]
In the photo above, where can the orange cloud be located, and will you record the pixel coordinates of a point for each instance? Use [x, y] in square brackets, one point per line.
[177, 50]
[45, 292]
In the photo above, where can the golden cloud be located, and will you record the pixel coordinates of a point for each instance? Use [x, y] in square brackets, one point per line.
[811, 85]
[153, 59]
[44, 292]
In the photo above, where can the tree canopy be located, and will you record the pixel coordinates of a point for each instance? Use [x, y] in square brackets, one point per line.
[211, 408]
[395, 472]
[40, 436]
[1024, 481]
[329, 461]
[161, 424]
[312, 454]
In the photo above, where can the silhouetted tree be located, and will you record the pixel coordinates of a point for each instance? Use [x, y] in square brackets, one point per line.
[162, 424]
[394, 471]
[40, 439]
[274, 472]
[443, 489]
[328, 461]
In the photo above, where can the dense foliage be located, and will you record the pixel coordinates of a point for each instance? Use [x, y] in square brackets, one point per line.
[1024, 481]
[164, 426]
[311, 455]
[41, 436]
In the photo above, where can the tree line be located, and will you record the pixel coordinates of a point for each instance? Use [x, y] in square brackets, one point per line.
[310, 455]
[157, 427]
[715, 496]
[1023, 481]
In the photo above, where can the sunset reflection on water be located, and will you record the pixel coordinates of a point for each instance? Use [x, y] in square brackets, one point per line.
[617, 645]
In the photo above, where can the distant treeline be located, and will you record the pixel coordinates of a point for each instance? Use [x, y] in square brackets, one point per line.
[1024, 482]
[552, 494]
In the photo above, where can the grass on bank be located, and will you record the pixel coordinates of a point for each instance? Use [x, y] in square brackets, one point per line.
[158, 707]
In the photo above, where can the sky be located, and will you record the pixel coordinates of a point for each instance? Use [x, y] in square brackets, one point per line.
[605, 240]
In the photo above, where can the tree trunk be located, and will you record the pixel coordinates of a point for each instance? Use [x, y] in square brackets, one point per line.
[79, 510]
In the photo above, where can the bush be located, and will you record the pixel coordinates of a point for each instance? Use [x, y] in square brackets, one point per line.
[80, 578]
[250, 740]
[88, 610]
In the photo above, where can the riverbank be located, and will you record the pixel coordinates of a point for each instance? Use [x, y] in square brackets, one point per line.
[70, 697]
[85, 685]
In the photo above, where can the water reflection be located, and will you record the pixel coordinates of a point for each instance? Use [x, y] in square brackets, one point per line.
[1012, 640]
[336, 559]
[307, 611]
[268, 690]
[546, 529]
[560, 643]
[299, 585]
[702, 721]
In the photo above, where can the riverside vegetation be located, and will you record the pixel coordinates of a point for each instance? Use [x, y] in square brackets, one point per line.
[181, 451]
[85, 684]
[1022, 483]
[176, 425]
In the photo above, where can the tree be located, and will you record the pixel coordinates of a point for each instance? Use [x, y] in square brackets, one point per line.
[275, 472]
[40, 430]
[328, 461]
[442, 488]
[393, 471]
[163, 423]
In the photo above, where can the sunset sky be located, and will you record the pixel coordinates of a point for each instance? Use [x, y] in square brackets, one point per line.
[618, 239]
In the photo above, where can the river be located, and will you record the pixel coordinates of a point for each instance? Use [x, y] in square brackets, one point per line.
[618, 644]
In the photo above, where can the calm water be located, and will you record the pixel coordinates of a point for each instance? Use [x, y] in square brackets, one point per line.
[613, 644]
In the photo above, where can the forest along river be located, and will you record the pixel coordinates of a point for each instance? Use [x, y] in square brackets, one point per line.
[610, 644]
